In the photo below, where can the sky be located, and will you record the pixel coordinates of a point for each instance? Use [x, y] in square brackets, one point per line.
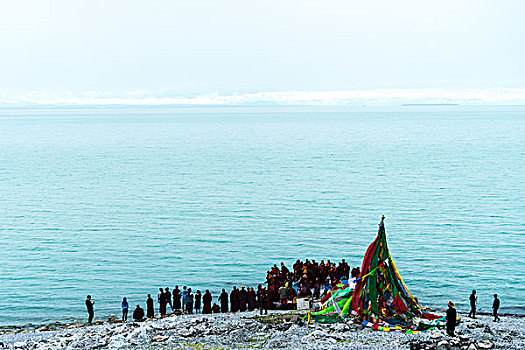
[246, 52]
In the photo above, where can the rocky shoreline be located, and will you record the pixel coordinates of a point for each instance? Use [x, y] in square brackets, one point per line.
[248, 330]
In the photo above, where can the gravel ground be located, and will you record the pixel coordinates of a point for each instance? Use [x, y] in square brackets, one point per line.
[246, 331]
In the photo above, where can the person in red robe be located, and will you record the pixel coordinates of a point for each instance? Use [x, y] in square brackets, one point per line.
[206, 302]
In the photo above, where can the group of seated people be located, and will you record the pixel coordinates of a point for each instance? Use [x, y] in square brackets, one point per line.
[307, 279]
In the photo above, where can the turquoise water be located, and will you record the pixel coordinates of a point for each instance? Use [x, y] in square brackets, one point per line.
[119, 202]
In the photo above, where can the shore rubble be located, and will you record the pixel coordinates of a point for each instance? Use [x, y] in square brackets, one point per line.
[248, 331]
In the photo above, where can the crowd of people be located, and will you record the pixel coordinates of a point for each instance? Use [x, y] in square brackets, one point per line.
[282, 286]
[306, 279]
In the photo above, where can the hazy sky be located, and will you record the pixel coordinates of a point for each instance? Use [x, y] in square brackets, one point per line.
[133, 49]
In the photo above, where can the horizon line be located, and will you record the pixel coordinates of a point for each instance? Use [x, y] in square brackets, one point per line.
[371, 97]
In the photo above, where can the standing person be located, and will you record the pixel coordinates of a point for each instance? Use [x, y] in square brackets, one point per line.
[473, 298]
[263, 300]
[149, 306]
[167, 296]
[189, 301]
[234, 299]
[495, 307]
[89, 306]
[184, 294]
[125, 308]
[250, 298]
[451, 319]
[162, 302]
[283, 295]
[243, 296]
[223, 299]
[206, 302]
[138, 314]
[198, 297]
[176, 298]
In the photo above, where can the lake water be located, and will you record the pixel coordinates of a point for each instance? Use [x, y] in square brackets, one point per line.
[119, 202]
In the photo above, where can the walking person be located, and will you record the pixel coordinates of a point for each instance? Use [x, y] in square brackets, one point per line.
[184, 294]
[125, 308]
[89, 306]
[189, 302]
[495, 308]
[198, 297]
[176, 298]
[473, 298]
[451, 319]
[223, 299]
[150, 310]
[167, 296]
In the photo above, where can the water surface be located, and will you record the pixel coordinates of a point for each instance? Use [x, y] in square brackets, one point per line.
[119, 202]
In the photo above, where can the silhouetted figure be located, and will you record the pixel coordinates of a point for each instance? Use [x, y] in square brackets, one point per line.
[234, 299]
[167, 297]
[161, 298]
[495, 307]
[206, 302]
[184, 295]
[250, 298]
[215, 308]
[189, 302]
[149, 306]
[243, 297]
[138, 314]
[89, 306]
[176, 298]
[451, 319]
[125, 308]
[223, 299]
[473, 298]
[263, 300]
[198, 297]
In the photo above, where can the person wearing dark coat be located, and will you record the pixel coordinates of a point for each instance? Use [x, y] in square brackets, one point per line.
[198, 297]
[451, 319]
[167, 297]
[234, 299]
[263, 300]
[176, 298]
[189, 302]
[473, 298]
[215, 308]
[495, 307]
[161, 298]
[223, 299]
[89, 306]
[206, 302]
[250, 298]
[243, 297]
[150, 311]
[138, 314]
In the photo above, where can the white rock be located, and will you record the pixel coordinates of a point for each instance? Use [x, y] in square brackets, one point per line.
[160, 338]
[485, 344]
[19, 344]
